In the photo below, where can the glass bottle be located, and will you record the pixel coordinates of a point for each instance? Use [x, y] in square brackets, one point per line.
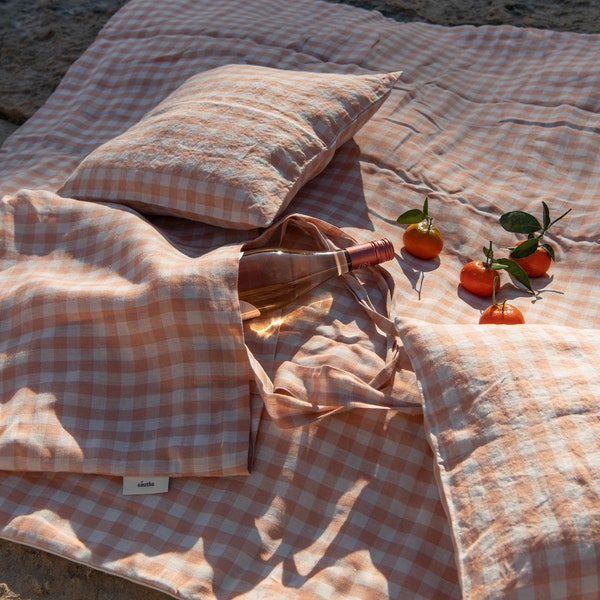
[270, 278]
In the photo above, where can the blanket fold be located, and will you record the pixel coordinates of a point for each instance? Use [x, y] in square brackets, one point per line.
[126, 356]
[120, 356]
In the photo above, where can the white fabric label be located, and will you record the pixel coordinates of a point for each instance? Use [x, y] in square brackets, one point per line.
[145, 485]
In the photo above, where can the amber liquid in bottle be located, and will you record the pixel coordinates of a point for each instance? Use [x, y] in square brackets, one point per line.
[271, 278]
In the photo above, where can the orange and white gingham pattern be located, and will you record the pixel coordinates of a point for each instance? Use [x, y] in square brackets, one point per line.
[119, 356]
[514, 428]
[326, 374]
[232, 145]
[483, 120]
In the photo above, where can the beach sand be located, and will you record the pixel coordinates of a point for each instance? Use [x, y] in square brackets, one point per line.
[39, 39]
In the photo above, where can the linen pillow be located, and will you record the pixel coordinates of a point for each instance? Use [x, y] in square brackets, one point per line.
[233, 145]
[513, 417]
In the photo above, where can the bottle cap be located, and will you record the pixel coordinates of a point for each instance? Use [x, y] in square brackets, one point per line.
[371, 253]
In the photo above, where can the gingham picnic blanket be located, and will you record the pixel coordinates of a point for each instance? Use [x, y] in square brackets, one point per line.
[412, 483]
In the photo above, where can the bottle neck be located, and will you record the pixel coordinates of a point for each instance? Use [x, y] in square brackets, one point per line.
[369, 254]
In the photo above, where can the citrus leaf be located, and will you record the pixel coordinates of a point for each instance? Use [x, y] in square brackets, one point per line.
[514, 270]
[525, 248]
[518, 221]
[410, 216]
[549, 249]
[426, 207]
[546, 216]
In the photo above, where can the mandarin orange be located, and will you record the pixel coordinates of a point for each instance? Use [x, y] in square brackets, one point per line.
[536, 264]
[423, 240]
[502, 314]
[479, 279]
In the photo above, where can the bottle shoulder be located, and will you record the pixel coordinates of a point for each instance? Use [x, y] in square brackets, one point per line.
[279, 266]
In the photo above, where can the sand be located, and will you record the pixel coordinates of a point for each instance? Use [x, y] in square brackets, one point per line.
[39, 39]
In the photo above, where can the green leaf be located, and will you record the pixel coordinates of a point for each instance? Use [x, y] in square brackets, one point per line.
[526, 248]
[426, 207]
[546, 216]
[549, 249]
[411, 216]
[518, 221]
[514, 270]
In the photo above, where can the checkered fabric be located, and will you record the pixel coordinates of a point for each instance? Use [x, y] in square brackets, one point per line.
[482, 121]
[231, 146]
[119, 355]
[515, 437]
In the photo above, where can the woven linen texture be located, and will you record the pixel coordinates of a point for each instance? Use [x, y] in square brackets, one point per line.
[515, 435]
[120, 354]
[233, 145]
[483, 120]
[317, 380]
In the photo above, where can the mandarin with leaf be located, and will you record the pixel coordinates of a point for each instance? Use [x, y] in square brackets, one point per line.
[482, 278]
[536, 264]
[533, 255]
[479, 279]
[421, 238]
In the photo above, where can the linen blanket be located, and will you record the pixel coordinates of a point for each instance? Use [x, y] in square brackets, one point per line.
[372, 440]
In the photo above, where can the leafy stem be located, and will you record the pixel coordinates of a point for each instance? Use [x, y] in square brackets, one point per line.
[519, 221]
[505, 264]
[416, 215]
